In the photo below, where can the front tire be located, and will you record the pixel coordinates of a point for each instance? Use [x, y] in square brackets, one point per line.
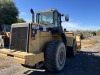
[55, 56]
[74, 48]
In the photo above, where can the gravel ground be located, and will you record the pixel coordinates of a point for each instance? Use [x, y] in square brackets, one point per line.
[85, 63]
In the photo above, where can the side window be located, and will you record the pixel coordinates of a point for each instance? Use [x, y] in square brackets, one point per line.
[57, 19]
[37, 18]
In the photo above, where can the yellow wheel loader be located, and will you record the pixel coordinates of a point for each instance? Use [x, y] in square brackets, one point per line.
[43, 41]
[76, 38]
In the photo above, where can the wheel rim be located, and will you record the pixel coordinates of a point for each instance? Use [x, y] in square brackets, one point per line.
[61, 57]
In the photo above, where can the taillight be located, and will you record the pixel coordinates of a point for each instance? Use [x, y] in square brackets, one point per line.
[33, 36]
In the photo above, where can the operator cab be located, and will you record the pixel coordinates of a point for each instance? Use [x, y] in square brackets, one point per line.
[50, 17]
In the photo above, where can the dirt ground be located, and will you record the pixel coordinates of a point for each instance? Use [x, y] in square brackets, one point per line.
[85, 63]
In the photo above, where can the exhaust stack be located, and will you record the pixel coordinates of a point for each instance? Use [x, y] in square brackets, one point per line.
[32, 12]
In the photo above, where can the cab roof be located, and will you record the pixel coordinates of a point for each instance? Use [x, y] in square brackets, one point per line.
[52, 9]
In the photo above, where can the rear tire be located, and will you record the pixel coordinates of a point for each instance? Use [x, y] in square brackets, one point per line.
[55, 56]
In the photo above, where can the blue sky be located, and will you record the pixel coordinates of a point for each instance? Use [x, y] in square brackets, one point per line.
[84, 14]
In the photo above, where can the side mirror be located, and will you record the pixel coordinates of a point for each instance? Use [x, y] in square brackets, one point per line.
[67, 18]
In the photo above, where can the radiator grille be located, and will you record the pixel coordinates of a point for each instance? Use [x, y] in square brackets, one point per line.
[19, 38]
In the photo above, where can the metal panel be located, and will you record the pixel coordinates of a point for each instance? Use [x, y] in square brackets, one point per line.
[19, 38]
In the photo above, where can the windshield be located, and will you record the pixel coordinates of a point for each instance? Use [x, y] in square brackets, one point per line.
[46, 18]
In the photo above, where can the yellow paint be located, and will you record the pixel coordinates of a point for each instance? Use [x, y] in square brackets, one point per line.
[40, 42]
[23, 57]
[37, 46]
[70, 37]
[70, 41]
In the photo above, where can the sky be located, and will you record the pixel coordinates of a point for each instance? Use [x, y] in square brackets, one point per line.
[83, 14]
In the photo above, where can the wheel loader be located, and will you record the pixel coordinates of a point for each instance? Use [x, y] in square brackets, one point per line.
[77, 38]
[42, 42]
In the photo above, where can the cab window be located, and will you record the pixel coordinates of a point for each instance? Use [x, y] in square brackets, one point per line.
[57, 19]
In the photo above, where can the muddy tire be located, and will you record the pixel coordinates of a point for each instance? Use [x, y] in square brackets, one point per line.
[55, 56]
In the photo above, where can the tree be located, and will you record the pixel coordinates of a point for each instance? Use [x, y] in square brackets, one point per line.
[8, 12]
[21, 20]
